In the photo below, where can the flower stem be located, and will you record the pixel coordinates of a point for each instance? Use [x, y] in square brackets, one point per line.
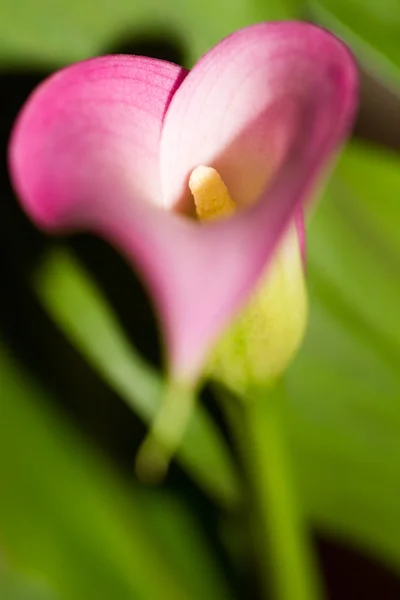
[166, 432]
[286, 561]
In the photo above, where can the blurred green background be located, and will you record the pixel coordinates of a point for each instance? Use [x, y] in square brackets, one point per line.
[80, 359]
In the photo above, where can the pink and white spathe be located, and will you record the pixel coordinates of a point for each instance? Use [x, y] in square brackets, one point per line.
[109, 145]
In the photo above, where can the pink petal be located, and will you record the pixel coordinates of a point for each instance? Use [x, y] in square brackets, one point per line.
[75, 159]
[88, 132]
[260, 92]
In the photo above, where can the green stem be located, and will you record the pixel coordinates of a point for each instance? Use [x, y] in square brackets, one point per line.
[282, 542]
[166, 432]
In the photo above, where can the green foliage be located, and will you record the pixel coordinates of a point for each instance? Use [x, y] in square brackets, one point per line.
[371, 28]
[15, 587]
[68, 518]
[345, 385]
[55, 33]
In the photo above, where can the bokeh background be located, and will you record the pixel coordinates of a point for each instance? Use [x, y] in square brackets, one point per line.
[80, 355]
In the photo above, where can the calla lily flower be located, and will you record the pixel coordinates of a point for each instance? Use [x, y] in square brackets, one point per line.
[109, 145]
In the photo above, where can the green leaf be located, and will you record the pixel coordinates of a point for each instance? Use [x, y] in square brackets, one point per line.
[15, 587]
[47, 32]
[371, 28]
[182, 540]
[77, 306]
[65, 516]
[345, 385]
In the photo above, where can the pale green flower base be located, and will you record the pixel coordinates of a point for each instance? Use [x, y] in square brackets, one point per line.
[261, 342]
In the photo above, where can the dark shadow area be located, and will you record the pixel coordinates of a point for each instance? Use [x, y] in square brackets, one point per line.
[154, 43]
[20, 242]
[351, 575]
[379, 115]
